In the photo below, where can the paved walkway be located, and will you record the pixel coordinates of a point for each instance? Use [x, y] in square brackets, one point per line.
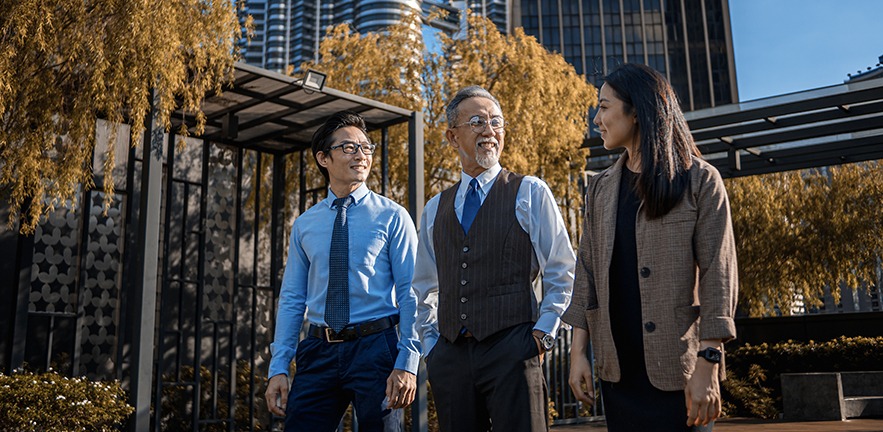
[755, 425]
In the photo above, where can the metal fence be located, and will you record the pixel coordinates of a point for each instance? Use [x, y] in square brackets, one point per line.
[223, 228]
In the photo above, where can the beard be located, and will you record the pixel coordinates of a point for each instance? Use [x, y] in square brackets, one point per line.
[486, 159]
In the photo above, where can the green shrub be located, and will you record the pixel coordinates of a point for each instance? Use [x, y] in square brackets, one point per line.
[51, 402]
[753, 387]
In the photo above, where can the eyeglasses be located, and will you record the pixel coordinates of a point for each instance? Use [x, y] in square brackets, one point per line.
[350, 147]
[479, 123]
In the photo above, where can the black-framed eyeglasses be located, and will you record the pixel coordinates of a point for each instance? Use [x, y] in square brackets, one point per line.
[350, 147]
[478, 124]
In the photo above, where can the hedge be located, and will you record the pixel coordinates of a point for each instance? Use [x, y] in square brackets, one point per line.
[51, 402]
[753, 387]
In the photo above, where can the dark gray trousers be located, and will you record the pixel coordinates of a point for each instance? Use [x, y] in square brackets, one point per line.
[495, 384]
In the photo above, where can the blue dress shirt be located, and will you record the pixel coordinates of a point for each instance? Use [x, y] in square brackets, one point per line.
[538, 214]
[382, 246]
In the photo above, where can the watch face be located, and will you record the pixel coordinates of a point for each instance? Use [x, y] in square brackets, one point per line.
[548, 342]
[711, 355]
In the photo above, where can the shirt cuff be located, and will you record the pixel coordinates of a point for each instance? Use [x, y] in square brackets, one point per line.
[548, 323]
[428, 344]
[280, 362]
[408, 361]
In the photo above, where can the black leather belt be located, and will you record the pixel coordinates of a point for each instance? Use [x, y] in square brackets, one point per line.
[355, 331]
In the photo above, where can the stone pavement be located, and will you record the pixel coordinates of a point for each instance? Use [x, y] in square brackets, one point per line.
[756, 425]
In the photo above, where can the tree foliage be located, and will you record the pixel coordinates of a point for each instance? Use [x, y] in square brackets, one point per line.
[798, 232]
[543, 99]
[65, 63]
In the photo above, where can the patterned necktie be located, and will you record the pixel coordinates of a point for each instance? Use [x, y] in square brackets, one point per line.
[470, 207]
[337, 299]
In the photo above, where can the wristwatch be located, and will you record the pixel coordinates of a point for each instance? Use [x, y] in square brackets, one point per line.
[546, 340]
[713, 355]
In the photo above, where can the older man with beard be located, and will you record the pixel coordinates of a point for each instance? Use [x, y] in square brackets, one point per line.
[483, 243]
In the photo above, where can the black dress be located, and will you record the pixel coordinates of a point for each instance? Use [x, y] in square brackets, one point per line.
[633, 404]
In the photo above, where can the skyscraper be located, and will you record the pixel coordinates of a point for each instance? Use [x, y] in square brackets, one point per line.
[289, 31]
[690, 41]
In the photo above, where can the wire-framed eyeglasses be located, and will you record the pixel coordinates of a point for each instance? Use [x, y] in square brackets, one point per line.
[478, 124]
[351, 147]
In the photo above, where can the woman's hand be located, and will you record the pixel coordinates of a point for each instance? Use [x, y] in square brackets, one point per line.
[702, 394]
[581, 380]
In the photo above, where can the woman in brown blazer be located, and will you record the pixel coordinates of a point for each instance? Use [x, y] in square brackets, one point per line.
[656, 283]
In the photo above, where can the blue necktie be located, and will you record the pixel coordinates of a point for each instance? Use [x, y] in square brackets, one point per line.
[470, 207]
[337, 299]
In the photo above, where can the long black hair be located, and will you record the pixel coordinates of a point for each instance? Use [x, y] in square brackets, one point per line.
[666, 146]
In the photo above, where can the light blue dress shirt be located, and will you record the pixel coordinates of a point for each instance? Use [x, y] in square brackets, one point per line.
[538, 214]
[382, 246]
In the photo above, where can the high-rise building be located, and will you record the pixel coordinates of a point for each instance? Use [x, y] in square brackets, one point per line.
[495, 10]
[289, 31]
[690, 41]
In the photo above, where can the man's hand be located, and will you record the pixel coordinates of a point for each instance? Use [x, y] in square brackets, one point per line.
[401, 386]
[538, 338]
[581, 382]
[702, 394]
[277, 394]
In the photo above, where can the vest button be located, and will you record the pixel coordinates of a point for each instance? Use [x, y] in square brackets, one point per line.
[463, 282]
[645, 272]
[463, 299]
[462, 316]
[463, 265]
[465, 249]
[650, 326]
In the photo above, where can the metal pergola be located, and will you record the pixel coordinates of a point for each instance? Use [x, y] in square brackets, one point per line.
[814, 128]
[261, 111]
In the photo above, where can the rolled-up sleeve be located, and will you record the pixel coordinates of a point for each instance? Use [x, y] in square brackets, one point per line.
[716, 256]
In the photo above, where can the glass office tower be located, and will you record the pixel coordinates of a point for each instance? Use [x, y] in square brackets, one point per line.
[690, 41]
[289, 31]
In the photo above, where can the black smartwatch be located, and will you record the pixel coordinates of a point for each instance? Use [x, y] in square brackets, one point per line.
[713, 355]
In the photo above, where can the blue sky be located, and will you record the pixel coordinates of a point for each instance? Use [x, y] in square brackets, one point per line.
[784, 46]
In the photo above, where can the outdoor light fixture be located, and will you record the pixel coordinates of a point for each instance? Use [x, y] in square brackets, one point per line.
[313, 81]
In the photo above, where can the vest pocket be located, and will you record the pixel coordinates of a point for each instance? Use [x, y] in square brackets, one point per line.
[502, 290]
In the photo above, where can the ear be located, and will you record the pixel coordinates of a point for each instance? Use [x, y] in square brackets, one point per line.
[452, 138]
[322, 159]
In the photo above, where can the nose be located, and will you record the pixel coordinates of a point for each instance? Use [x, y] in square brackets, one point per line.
[597, 119]
[488, 131]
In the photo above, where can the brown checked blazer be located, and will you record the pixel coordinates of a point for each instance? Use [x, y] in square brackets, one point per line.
[687, 275]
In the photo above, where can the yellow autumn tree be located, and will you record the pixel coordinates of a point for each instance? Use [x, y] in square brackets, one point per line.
[543, 99]
[799, 232]
[66, 63]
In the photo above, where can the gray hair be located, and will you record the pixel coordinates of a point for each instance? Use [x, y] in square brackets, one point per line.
[452, 110]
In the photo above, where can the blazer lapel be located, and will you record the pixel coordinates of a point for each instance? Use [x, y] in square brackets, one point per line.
[608, 193]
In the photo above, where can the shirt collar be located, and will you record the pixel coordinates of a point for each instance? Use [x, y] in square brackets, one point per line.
[358, 195]
[485, 179]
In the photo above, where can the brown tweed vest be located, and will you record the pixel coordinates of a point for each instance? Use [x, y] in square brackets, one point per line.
[484, 277]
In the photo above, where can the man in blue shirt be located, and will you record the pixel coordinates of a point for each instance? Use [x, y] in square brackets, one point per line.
[350, 266]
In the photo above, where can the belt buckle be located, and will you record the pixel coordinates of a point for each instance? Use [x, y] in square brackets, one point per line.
[329, 336]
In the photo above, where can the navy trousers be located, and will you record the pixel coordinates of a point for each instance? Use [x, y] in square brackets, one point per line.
[330, 376]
